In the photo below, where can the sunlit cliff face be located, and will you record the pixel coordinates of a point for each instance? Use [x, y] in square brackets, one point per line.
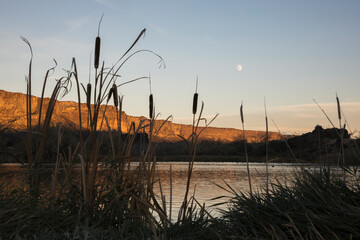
[13, 107]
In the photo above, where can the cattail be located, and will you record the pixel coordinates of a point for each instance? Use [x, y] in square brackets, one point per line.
[110, 94]
[151, 106]
[338, 108]
[97, 52]
[195, 101]
[115, 92]
[88, 95]
[241, 113]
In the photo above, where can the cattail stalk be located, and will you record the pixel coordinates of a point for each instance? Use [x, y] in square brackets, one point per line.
[170, 192]
[342, 130]
[246, 154]
[267, 149]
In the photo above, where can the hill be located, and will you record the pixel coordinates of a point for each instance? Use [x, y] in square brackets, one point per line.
[13, 114]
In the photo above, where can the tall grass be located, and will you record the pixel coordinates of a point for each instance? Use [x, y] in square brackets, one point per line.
[246, 154]
[315, 205]
[339, 132]
[37, 135]
[266, 148]
[115, 187]
[187, 208]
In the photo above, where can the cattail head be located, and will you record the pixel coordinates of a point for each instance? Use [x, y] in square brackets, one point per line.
[151, 106]
[88, 94]
[115, 94]
[338, 107]
[267, 125]
[241, 113]
[110, 94]
[195, 102]
[97, 52]
[195, 99]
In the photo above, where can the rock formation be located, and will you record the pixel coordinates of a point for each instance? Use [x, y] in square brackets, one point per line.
[13, 115]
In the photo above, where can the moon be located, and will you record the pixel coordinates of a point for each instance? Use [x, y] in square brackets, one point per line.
[239, 68]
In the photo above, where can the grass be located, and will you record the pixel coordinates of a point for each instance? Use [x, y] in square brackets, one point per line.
[316, 205]
[313, 205]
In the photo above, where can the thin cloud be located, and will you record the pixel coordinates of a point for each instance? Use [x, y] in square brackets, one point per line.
[346, 106]
[106, 3]
[158, 29]
[294, 119]
[211, 41]
[76, 23]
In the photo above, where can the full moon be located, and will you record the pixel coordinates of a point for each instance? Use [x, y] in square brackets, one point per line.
[239, 67]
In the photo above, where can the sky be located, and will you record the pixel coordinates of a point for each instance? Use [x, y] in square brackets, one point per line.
[288, 53]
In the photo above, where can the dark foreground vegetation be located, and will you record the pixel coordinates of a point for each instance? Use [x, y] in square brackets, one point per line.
[313, 205]
[106, 198]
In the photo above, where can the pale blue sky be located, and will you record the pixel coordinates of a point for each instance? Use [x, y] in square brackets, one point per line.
[291, 52]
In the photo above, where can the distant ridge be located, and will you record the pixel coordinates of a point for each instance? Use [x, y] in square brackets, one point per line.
[13, 107]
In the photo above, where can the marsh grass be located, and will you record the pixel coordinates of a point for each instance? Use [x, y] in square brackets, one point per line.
[266, 148]
[112, 196]
[187, 208]
[245, 147]
[314, 205]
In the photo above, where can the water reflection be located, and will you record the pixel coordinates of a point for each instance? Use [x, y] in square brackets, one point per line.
[206, 177]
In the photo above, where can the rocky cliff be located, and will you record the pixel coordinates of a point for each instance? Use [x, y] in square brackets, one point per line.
[13, 115]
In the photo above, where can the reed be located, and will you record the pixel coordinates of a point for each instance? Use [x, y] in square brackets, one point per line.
[246, 154]
[186, 210]
[115, 95]
[151, 101]
[195, 99]
[114, 186]
[35, 156]
[151, 106]
[342, 130]
[339, 132]
[266, 148]
[306, 208]
[285, 141]
[97, 46]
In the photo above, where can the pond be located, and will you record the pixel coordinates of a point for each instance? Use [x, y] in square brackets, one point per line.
[210, 179]
[207, 182]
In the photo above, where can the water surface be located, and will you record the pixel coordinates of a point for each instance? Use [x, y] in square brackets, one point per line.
[207, 182]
